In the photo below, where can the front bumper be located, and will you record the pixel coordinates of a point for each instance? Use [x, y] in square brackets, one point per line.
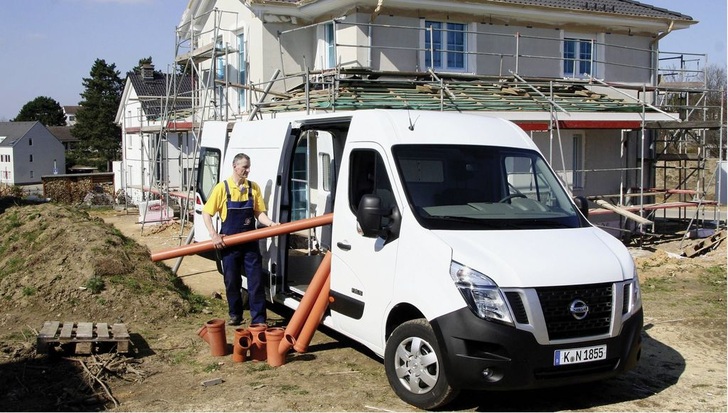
[512, 359]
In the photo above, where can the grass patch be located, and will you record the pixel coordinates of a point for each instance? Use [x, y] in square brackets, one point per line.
[659, 284]
[95, 284]
[713, 276]
[291, 389]
[211, 367]
[28, 291]
[13, 265]
[12, 221]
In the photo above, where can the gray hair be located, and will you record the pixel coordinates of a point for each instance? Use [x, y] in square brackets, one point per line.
[239, 157]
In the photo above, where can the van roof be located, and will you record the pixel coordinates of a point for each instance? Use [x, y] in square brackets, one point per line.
[392, 127]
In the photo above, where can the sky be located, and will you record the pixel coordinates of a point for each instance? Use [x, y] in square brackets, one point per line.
[47, 47]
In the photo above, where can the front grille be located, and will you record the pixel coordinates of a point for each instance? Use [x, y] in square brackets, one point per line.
[625, 299]
[519, 310]
[561, 324]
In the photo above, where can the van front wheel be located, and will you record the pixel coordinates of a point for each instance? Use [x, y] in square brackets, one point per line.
[414, 367]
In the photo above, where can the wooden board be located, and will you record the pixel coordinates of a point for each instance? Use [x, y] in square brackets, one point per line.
[84, 336]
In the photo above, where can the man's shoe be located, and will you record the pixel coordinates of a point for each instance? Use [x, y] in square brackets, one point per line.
[235, 321]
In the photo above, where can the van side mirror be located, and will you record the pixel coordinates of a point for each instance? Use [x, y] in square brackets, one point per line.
[583, 205]
[369, 215]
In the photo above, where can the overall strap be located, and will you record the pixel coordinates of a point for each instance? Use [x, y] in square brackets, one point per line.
[227, 190]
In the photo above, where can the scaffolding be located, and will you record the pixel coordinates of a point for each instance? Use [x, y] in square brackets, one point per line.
[679, 145]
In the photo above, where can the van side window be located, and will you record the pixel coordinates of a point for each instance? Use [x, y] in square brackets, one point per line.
[209, 171]
[368, 175]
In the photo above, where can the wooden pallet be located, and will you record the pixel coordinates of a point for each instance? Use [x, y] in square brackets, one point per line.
[84, 336]
[704, 245]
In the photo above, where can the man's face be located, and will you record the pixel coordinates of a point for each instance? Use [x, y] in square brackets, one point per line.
[241, 169]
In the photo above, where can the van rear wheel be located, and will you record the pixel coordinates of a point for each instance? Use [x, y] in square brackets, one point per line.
[414, 366]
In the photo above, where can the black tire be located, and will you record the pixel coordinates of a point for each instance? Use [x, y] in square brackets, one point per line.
[414, 366]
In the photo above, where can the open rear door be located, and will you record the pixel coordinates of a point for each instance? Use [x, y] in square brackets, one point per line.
[263, 141]
[212, 149]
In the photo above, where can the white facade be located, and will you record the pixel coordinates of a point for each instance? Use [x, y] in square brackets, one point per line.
[153, 158]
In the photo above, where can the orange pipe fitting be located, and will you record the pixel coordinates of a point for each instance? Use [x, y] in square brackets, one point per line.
[314, 318]
[244, 237]
[286, 344]
[258, 351]
[216, 337]
[273, 336]
[294, 327]
[241, 344]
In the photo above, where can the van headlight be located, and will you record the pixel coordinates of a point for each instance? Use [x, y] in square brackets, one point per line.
[635, 294]
[483, 296]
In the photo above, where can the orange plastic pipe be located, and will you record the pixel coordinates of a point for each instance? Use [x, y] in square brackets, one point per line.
[244, 237]
[314, 318]
[299, 317]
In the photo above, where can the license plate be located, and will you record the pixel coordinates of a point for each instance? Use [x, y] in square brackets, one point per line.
[580, 355]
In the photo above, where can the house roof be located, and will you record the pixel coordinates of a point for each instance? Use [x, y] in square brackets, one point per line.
[62, 133]
[153, 92]
[13, 131]
[620, 7]
[514, 98]
[71, 110]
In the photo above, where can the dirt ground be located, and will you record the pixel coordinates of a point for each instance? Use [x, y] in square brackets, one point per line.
[53, 258]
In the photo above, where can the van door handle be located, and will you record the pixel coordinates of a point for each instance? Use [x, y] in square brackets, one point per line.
[344, 245]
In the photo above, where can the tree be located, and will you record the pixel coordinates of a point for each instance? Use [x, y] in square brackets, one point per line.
[44, 110]
[95, 126]
[715, 83]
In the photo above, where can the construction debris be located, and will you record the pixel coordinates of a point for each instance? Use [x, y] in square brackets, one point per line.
[704, 245]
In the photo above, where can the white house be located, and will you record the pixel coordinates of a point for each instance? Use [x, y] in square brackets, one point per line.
[70, 113]
[28, 150]
[580, 77]
[157, 150]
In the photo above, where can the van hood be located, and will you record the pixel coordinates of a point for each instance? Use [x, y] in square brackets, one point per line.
[536, 258]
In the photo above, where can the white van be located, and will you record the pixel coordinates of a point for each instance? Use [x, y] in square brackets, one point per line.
[457, 254]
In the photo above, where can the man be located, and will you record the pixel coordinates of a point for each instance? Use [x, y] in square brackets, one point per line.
[239, 202]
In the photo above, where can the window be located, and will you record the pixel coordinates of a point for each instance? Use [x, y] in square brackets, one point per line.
[578, 57]
[445, 45]
[241, 67]
[32, 174]
[330, 45]
[299, 181]
[31, 157]
[209, 170]
[326, 49]
[30, 141]
[220, 61]
[325, 162]
[368, 175]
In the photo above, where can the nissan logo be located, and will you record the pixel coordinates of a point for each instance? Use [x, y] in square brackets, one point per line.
[578, 309]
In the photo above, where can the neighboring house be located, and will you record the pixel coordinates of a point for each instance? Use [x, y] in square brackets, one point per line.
[158, 148]
[70, 112]
[28, 150]
[63, 134]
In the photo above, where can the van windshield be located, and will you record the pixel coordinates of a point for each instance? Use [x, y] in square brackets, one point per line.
[483, 187]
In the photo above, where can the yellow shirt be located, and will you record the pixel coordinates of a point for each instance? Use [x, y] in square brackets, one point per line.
[217, 202]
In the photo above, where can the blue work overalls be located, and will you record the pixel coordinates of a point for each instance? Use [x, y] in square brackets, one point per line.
[241, 217]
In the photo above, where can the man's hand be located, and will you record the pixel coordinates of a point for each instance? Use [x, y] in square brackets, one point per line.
[217, 241]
